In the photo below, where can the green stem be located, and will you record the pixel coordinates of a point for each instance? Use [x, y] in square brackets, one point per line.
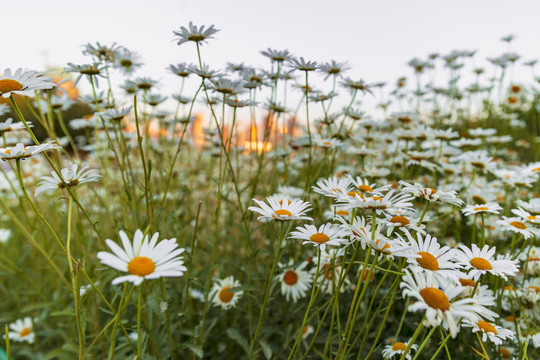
[267, 293]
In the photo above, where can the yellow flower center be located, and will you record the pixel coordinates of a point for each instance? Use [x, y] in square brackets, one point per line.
[481, 263]
[435, 298]
[141, 266]
[342, 212]
[532, 218]
[290, 277]
[510, 318]
[401, 220]
[377, 198]
[518, 224]
[534, 288]
[196, 37]
[225, 295]
[467, 282]
[365, 188]
[536, 169]
[505, 354]
[385, 247]
[481, 208]
[7, 85]
[24, 332]
[486, 327]
[281, 212]
[428, 261]
[355, 193]
[399, 346]
[319, 238]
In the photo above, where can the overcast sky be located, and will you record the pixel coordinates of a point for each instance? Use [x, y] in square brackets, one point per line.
[377, 38]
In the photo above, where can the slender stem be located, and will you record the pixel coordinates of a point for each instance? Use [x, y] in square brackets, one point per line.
[6, 332]
[268, 287]
[311, 301]
[139, 311]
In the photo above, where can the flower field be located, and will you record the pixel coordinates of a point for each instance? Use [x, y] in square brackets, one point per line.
[268, 214]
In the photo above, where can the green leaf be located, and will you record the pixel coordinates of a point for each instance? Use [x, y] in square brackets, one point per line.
[235, 335]
[267, 351]
[196, 349]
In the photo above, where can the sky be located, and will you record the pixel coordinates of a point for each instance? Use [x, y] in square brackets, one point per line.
[376, 38]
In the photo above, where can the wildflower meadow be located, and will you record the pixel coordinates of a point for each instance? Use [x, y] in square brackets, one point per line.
[268, 214]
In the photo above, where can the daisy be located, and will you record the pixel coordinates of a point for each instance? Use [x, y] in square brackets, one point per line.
[365, 187]
[495, 333]
[194, 33]
[223, 296]
[532, 206]
[433, 258]
[481, 261]
[115, 114]
[127, 60]
[436, 299]
[295, 282]
[327, 234]
[284, 211]
[22, 330]
[20, 151]
[71, 177]
[391, 201]
[430, 194]
[144, 259]
[398, 348]
[333, 187]
[404, 223]
[481, 209]
[514, 224]
[8, 125]
[533, 219]
[531, 290]
[23, 82]
[277, 55]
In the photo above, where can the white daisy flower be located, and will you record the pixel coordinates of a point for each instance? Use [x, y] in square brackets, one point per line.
[390, 202]
[357, 230]
[533, 337]
[8, 125]
[404, 223]
[433, 258]
[23, 82]
[144, 259]
[365, 187]
[222, 296]
[481, 209]
[284, 211]
[533, 219]
[481, 261]
[295, 281]
[333, 187]
[532, 206]
[531, 290]
[327, 234]
[22, 330]
[20, 151]
[71, 177]
[398, 348]
[495, 333]
[194, 33]
[436, 299]
[514, 224]
[385, 246]
[431, 195]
